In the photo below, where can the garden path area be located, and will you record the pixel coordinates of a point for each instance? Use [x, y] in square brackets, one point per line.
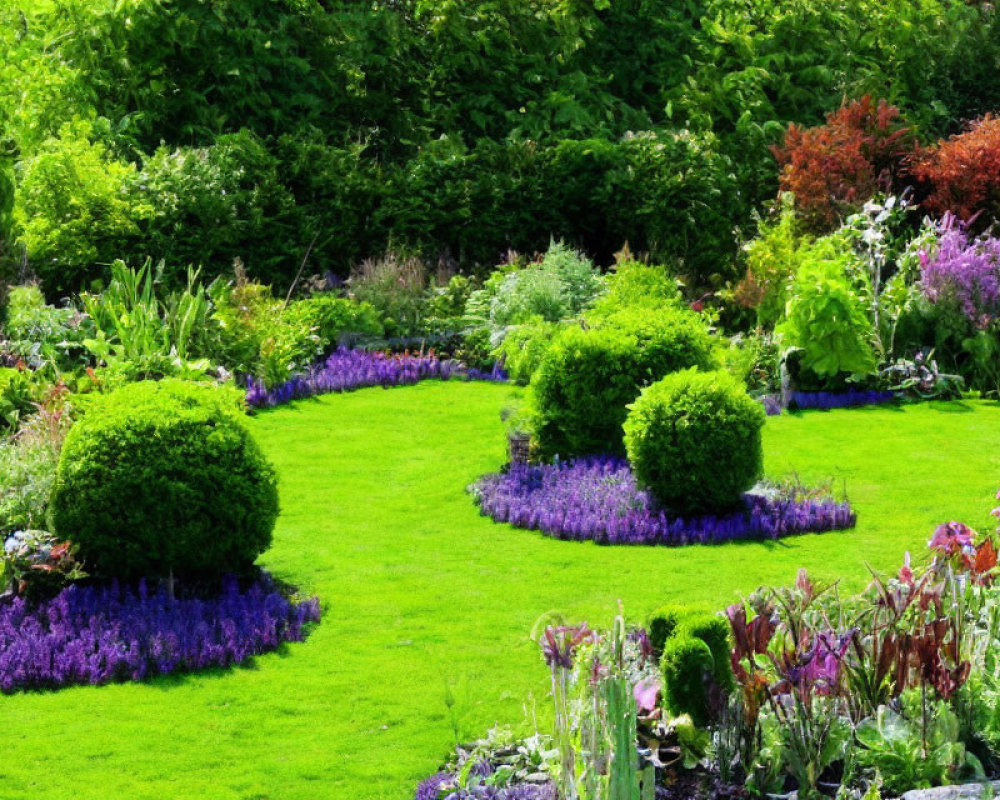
[424, 598]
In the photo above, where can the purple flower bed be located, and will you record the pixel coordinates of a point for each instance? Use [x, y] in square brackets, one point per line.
[88, 635]
[347, 370]
[824, 400]
[964, 272]
[443, 786]
[597, 499]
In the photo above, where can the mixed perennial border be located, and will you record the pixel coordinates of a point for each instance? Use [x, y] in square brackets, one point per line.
[597, 499]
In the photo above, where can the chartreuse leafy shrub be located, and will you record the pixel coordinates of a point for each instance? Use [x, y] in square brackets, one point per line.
[670, 338]
[633, 284]
[163, 479]
[331, 317]
[524, 346]
[826, 318]
[74, 209]
[772, 260]
[588, 376]
[694, 441]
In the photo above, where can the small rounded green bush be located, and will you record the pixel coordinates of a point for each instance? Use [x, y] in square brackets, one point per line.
[686, 666]
[663, 624]
[713, 630]
[694, 441]
[164, 478]
[669, 339]
[588, 376]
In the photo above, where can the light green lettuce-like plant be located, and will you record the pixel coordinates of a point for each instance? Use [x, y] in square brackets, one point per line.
[906, 758]
[826, 319]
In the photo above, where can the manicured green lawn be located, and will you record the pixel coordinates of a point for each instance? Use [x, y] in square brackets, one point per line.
[421, 593]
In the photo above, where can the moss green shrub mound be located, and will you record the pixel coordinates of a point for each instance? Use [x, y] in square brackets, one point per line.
[164, 478]
[694, 441]
[589, 375]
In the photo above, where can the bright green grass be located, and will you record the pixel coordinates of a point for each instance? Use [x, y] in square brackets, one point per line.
[419, 590]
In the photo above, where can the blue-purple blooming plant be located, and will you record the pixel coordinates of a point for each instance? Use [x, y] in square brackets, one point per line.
[596, 498]
[851, 399]
[964, 272]
[97, 635]
[444, 786]
[347, 370]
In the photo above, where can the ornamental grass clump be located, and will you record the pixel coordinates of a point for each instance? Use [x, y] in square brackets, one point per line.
[164, 480]
[694, 441]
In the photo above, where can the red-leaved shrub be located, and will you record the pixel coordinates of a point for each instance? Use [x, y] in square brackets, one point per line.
[962, 173]
[833, 168]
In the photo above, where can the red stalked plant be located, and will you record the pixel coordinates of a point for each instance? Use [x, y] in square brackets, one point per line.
[962, 173]
[833, 168]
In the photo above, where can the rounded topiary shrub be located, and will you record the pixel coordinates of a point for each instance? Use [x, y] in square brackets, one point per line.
[687, 666]
[588, 376]
[163, 479]
[694, 441]
[713, 630]
[669, 339]
[663, 623]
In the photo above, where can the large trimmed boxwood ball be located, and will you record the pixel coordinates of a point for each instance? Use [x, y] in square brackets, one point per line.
[162, 478]
[694, 441]
[588, 376]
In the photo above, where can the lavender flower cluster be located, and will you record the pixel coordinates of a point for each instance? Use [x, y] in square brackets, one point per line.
[444, 786]
[98, 635]
[597, 499]
[347, 370]
[826, 400]
[964, 272]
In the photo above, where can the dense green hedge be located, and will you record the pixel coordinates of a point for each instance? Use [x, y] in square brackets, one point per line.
[459, 127]
[163, 478]
[670, 194]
